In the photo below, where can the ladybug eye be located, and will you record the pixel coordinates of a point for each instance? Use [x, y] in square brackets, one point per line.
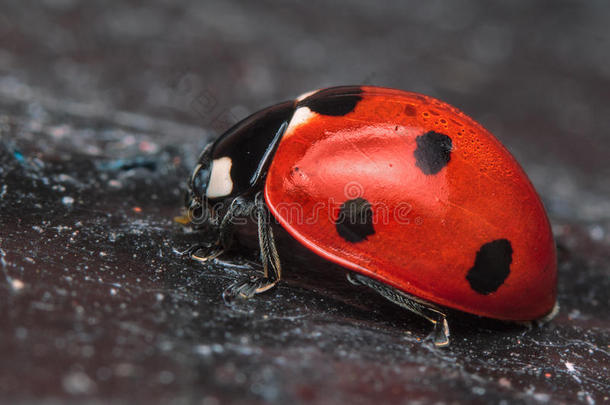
[199, 180]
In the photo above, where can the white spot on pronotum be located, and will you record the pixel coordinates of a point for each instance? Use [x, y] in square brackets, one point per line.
[300, 117]
[220, 184]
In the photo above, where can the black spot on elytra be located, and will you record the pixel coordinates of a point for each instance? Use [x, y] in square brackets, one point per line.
[410, 110]
[355, 221]
[491, 266]
[336, 101]
[433, 152]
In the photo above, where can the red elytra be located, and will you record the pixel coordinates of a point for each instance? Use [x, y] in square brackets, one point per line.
[446, 202]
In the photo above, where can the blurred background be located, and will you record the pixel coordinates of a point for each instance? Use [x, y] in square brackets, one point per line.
[105, 105]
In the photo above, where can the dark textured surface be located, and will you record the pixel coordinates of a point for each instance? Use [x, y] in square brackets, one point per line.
[103, 110]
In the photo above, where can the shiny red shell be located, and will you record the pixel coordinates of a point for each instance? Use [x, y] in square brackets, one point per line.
[430, 229]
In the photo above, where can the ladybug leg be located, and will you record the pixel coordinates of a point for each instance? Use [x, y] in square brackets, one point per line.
[195, 251]
[205, 252]
[432, 313]
[272, 271]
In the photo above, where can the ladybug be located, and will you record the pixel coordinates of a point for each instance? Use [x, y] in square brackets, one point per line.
[413, 197]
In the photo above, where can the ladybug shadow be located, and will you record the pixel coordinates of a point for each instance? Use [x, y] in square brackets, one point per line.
[333, 296]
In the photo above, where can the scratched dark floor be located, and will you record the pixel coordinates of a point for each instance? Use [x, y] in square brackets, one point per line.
[103, 109]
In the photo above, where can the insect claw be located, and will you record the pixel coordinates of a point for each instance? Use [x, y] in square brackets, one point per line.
[247, 288]
[191, 252]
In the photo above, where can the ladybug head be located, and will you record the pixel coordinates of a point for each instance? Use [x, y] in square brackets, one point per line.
[236, 164]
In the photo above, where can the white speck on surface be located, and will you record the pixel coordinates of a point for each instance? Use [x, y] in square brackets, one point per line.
[77, 382]
[113, 291]
[574, 314]
[597, 233]
[67, 200]
[206, 350]
[115, 183]
[59, 131]
[62, 228]
[541, 397]
[504, 382]
[570, 367]
[16, 284]
[65, 178]
[203, 350]
[160, 297]
[148, 147]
